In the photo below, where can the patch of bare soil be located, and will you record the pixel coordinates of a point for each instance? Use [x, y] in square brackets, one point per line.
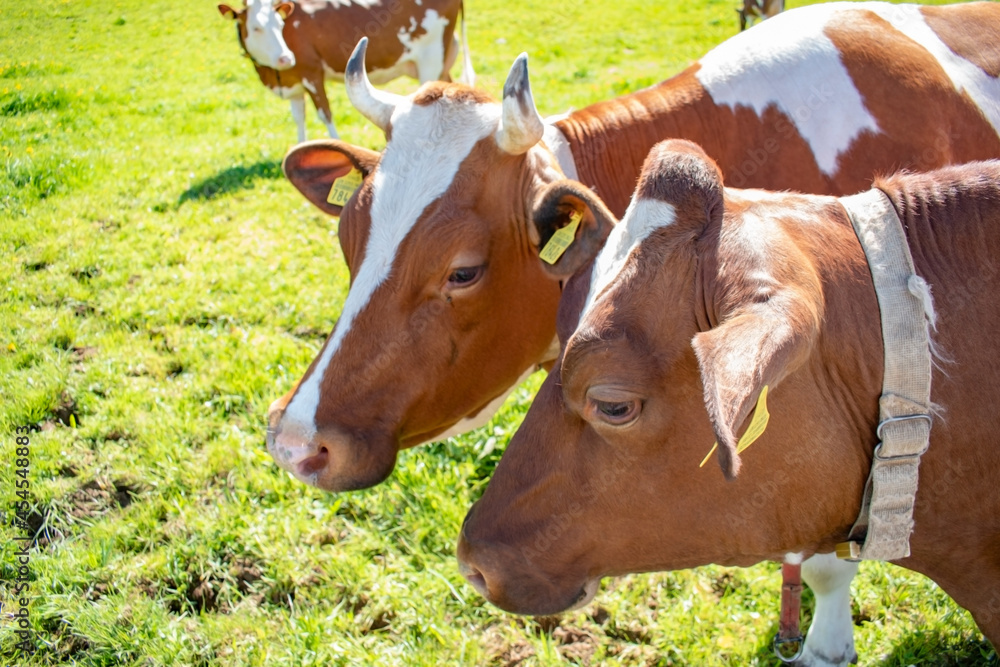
[502, 652]
[101, 495]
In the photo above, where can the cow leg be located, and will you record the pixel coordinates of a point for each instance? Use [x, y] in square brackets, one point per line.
[772, 8]
[830, 640]
[450, 56]
[331, 128]
[298, 103]
[317, 91]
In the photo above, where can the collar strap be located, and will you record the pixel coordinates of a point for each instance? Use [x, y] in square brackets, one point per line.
[882, 531]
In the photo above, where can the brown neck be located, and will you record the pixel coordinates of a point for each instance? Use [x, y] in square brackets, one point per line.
[609, 140]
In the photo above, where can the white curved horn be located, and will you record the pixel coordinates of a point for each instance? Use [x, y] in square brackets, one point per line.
[374, 104]
[521, 127]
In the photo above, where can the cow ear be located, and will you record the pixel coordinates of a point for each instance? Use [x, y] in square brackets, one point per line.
[228, 12]
[284, 9]
[557, 206]
[313, 166]
[757, 346]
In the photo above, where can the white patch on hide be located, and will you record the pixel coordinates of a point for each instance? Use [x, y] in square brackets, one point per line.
[427, 50]
[788, 62]
[559, 145]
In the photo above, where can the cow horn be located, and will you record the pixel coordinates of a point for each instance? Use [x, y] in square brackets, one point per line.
[374, 104]
[521, 127]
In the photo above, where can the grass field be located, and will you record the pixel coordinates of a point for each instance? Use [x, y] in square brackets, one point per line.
[162, 283]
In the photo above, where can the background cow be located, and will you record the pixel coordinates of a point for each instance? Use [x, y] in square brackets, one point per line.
[758, 9]
[701, 298]
[295, 46]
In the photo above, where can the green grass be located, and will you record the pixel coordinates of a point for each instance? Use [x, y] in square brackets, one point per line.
[162, 283]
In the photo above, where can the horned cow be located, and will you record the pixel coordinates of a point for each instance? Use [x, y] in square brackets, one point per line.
[296, 46]
[448, 290]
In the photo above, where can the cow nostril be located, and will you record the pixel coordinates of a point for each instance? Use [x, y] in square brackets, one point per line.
[474, 577]
[314, 463]
[478, 582]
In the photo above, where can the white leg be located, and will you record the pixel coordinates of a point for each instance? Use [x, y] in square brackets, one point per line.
[468, 74]
[299, 115]
[830, 641]
[330, 127]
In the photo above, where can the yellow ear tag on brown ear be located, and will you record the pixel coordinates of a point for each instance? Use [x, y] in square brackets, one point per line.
[754, 430]
[561, 240]
[344, 187]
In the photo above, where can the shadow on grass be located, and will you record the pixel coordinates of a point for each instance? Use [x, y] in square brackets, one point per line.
[926, 648]
[233, 179]
[930, 648]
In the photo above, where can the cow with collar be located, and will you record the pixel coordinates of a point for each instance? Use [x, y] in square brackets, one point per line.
[702, 300]
[296, 46]
[450, 305]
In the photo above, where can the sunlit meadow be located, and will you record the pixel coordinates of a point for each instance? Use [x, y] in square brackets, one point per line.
[162, 283]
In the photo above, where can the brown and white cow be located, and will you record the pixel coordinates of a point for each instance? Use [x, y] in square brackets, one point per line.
[753, 10]
[701, 297]
[449, 305]
[296, 46]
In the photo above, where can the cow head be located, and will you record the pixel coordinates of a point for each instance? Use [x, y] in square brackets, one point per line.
[448, 303]
[260, 26]
[668, 341]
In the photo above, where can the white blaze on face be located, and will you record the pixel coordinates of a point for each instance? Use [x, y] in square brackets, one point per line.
[428, 145]
[264, 41]
[643, 217]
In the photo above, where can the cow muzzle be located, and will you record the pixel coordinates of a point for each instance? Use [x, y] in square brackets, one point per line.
[329, 458]
[515, 582]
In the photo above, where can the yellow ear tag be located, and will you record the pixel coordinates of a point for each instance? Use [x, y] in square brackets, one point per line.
[344, 187]
[754, 430]
[561, 240]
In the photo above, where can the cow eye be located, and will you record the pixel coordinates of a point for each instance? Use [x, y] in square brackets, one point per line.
[465, 276]
[615, 413]
[614, 410]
